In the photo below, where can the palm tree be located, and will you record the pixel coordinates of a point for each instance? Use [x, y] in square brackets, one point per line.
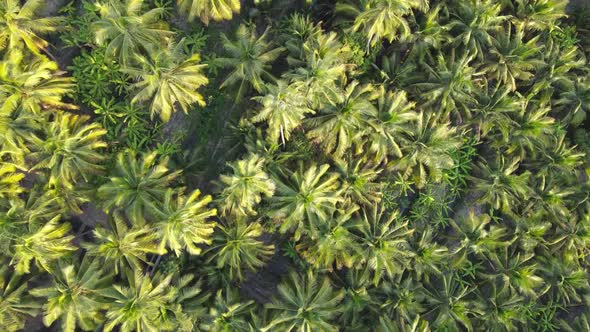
[429, 256]
[512, 59]
[238, 247]
[137, 186]
[121, 247]
[516, 271]
[566, 283]
[395, 114]
[475, 234]
[127, 32]
[243, 189]
[360, 181]
[325, 64]
[491, 112]
[20, 24]
[217, 10]
[448, 304]
[44, 246]
[382, 19]
[335, 245]
[499, 185]
[384, 242]
[534, 129]
[182, 222]
[141, 305]
[250, 58]
[475, 23]
[9, 181]
[305, 304]
[227, 313]
[71, 149]
[502, 309]
[448, 85]
[305, 199]
[15, 304]
[576, 101]
[73, 297]
[19, 127]
[32, 86]
[403, 299]
[167, 79]
[338, 126]
[428, 150]
[429, 35]
[284, 108]
[538, 15]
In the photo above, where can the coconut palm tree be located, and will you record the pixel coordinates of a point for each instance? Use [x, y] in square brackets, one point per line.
[142, 304]
[448, 304]
[217, 10]
[515, 270]
[137, 185]
[168, 79]
[427, 151]
[338, 126]
[71, 150]
[15, 304]
[227, 313]
[126, 31]
[306, 303]
[20, 24]
[44, 246]
[429, 34]
[395, 115]
[238, 247]
[9, 181]
[499, 184]
[384, 244]
[576, 101]
[305, 199]
[322, 71]
[32, 85]
[492, 110]
[502, 309]
[19, 127]
[284, 108]
[182, 222]
[538, 15]
[121, 247]
[335, 245]
[512, 59]
[249, 58]
[474, 25]
[475, 234]
[360, 181]
[244, 189]
[73, 295]
[382, 19]
[448, 85]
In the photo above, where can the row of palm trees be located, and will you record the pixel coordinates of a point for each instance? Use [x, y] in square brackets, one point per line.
[439, 190]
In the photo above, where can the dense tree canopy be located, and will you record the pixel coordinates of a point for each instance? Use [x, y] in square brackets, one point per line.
[308, 165]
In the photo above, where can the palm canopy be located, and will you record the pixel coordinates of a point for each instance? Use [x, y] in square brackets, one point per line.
[245, 187]
[126, 31]
[249, 58]
[182, 222]
[32, 85]
[382, 19]
[71, 150]
[338, 126]
[15, 303]
[138, 184]
[284, 108]
[427, 151]
[72, 298]
[239, 248]
[217, 10]
[20, 24]
[168, 79]
[306, 303]
[305, 198]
